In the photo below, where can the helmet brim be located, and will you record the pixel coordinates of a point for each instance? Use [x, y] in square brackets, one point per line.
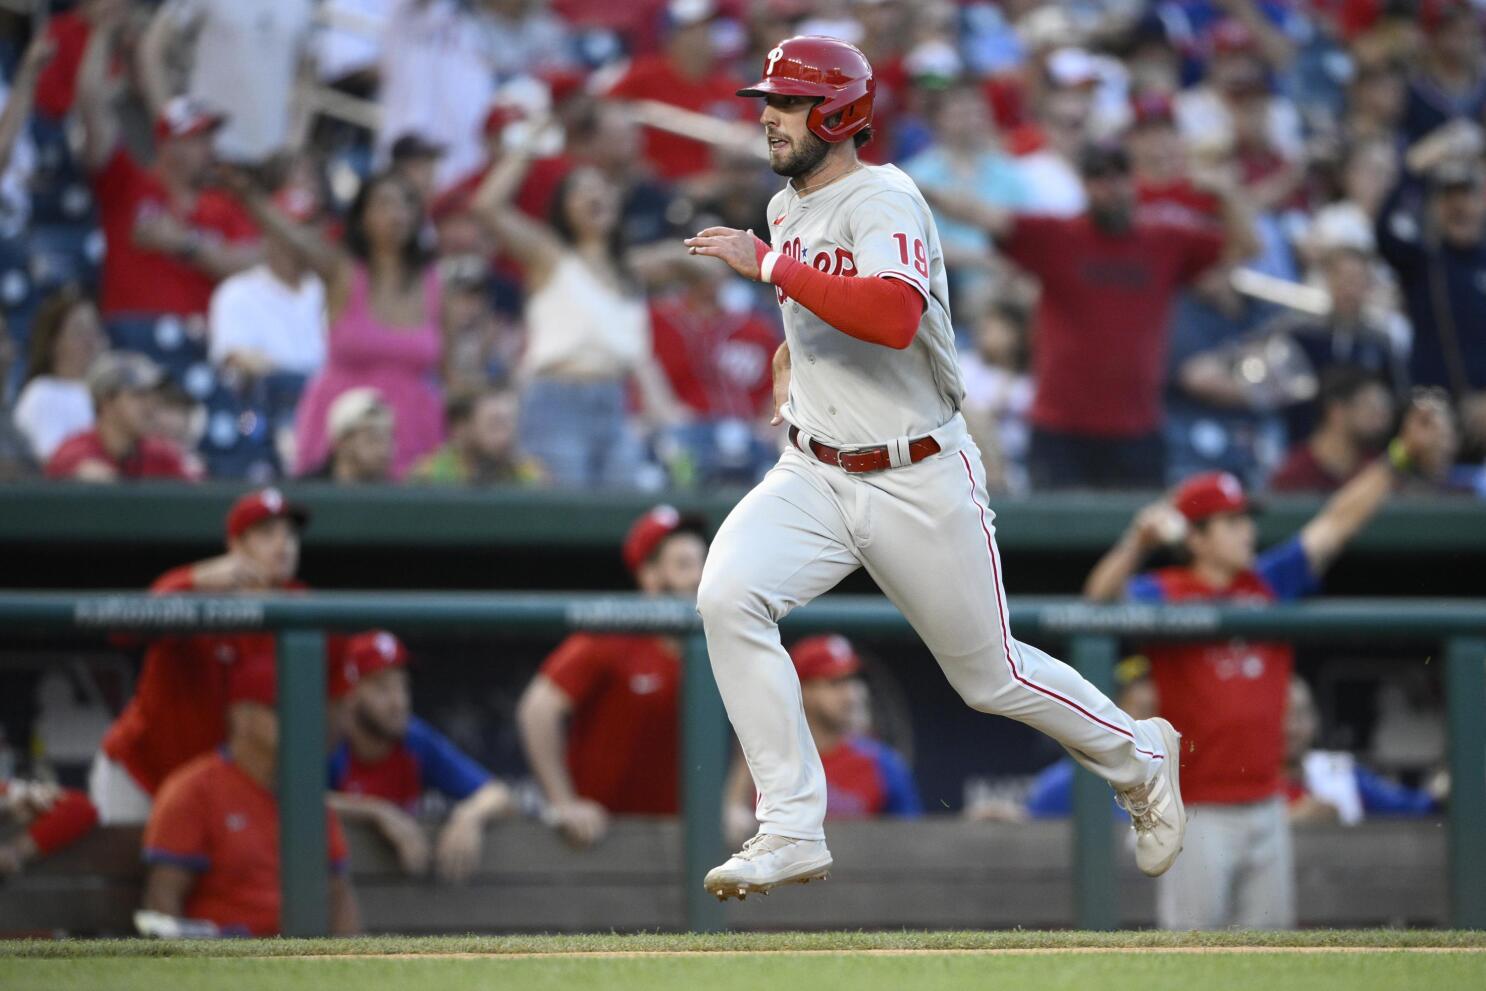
[783, 87]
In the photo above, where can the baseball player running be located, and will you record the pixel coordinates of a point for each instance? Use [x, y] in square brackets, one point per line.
[879, 473]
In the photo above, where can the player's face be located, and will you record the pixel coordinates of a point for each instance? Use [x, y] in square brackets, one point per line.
[1225, 541]
[831, 703]
[676, 568]
[383, 703]
[793, 150]
[254, 727]
[273, 546]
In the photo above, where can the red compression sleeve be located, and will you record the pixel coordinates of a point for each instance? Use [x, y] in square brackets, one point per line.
[879, 311]
[66, 822]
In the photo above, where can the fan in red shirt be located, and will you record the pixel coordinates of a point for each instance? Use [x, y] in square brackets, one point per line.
[169, 238]
[120, 444]
[178, 711]
[1108, 280]
[212, 843]
[618, 695]
[1228, 698]
[717, 360]
[1158, 162]
[686, 75]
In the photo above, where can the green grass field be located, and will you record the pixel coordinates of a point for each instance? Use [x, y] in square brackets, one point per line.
[1036, 961]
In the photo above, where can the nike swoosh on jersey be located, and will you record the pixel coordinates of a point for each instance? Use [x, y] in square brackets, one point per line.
[780, 219]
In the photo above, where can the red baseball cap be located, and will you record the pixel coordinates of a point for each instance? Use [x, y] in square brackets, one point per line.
[826, 657]
[647, 532]
[1209, 494]
[185, 116]
[254, 680]
[366, 654]
[264, 504]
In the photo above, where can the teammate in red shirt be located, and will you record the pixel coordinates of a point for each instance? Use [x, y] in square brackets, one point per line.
[1228, 698]
[212, 842]
[865, 778]
[119, 445]
[388, 758]
[169, 238]
[1108, 280]
[618, 695]
[686, 75]
[179, 706]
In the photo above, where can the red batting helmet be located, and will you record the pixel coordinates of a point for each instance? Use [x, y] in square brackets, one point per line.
[836, 72]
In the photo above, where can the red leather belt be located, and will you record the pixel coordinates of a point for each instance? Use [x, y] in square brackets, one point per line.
[861, 460]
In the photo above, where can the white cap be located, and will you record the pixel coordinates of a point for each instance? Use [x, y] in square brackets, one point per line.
[1072, 67]
[684, 13]
[353, 409]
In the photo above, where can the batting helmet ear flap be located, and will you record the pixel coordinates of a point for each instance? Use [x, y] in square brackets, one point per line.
[853, 102]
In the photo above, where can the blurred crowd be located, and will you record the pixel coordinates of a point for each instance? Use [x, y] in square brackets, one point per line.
[438, 241]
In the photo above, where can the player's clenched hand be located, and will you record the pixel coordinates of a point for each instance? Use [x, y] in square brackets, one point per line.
[407, 839]
[581, 821]
[1155, 525]
[740, 249]
[228, 573]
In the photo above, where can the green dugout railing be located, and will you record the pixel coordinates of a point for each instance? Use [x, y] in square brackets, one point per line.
[1090, 633]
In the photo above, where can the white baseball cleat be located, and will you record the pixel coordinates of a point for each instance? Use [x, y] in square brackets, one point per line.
[1156, 811]
[767, 861]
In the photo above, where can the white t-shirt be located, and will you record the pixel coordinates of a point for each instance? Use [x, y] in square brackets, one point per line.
[255, 311]
[438, 80]
[244, 61]
[49, 410]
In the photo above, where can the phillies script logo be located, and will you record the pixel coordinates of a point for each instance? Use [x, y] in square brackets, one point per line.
[772, 60]
[839, 262]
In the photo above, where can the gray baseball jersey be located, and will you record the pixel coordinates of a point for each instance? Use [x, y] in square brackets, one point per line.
[844, 391]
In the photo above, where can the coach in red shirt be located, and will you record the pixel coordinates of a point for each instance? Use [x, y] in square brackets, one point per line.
[1228, 698]
[1099, 342]
[685, 75]
[169, 238]
[179, 706]
[618, 695]
[212, 843]
[119, 445]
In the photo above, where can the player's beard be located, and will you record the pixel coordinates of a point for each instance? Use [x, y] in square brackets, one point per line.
[804, 158]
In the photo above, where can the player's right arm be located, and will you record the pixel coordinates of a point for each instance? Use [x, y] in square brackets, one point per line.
[541, 718]
[1111, 576]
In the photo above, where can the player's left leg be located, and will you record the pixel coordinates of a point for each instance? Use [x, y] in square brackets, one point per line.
[933, 553]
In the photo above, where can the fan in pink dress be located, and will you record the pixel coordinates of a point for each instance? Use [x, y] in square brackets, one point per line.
[383, 296]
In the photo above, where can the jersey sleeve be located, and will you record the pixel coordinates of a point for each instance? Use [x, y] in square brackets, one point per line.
[898, 787]
[178, 832]
[889, 238]
[443, 766]
[1287, 571]
[1035, 243]
[1381, 797]
[1198, 249]
[1146, 589]
[577, 667]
